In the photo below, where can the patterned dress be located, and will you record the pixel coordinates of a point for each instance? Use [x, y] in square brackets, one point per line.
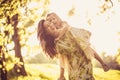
[71, 48]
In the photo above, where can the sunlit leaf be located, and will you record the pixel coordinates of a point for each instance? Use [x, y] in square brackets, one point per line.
[89, 22]
[29, 23]
[0, 66]
[1, 40]
[71, 11]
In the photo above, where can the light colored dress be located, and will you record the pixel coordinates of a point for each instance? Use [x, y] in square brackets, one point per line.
[78, 61]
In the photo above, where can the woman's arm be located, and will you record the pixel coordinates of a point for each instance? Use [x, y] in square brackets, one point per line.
[61, 61]
[61, 74]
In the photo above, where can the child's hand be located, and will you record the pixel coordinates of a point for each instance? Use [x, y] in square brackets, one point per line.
[62, 31]
[105, 67]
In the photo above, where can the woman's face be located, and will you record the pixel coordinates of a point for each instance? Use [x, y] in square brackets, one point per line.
[49, 27]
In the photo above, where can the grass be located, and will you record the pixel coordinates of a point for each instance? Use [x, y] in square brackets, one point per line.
[51, 72]
[110, 75]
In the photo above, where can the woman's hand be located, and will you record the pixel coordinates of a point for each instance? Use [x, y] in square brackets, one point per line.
[61, 73]
[62, 78]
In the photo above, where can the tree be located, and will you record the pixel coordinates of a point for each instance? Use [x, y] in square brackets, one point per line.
[3, 71]
[19, 68]
[10, 16]
[9, 8]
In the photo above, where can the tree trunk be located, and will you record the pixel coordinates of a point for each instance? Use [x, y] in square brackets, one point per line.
[19, 68]
[3, 70]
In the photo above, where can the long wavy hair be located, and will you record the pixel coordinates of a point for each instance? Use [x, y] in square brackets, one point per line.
[47, 41]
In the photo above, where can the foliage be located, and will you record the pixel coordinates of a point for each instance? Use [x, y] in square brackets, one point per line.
[10, 7]
[26, 19]
[106, 5]
[71, 11]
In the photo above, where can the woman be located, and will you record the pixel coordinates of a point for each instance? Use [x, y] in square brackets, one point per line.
[70, 45]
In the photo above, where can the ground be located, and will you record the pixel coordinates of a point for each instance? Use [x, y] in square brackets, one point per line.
[51, 72]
